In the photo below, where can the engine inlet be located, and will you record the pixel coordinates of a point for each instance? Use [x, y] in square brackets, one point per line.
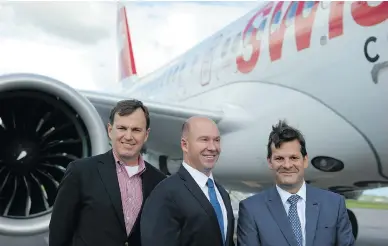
[40, 135]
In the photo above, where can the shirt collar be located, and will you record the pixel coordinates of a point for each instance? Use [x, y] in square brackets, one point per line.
[199, 177]
[284, 195]
[141, 162]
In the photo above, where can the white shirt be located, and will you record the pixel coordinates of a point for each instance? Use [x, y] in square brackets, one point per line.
[301, 206]
[201, 180]
[132, 170]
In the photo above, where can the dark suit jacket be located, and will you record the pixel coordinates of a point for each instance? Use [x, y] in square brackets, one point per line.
[88, 210]
[177, 213]
[263, 220]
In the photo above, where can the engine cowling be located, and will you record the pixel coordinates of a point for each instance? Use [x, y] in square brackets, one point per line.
[44, 125]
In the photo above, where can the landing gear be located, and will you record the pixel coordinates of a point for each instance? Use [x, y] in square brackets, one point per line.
[353, 221]
[163, 165]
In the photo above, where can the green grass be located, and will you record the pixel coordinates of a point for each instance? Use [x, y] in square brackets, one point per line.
[366, 204]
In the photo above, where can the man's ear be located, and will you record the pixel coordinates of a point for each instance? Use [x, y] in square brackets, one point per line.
[109, 128]
[269, 163]
[306, 161]
[147, 134]
[184, 144]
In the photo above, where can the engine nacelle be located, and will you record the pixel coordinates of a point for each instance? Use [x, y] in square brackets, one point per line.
[44, 125]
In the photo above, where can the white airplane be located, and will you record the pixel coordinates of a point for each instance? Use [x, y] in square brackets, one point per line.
[322, 66]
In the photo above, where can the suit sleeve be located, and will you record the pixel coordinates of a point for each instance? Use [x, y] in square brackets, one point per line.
[344, 227]
[233, 235]
[247, 234]
[66, 209]
[159, 224]
[231, 240]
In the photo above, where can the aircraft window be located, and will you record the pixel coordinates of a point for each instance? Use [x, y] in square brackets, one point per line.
[195, 60]
[225, 47]
[262, 25]
[174, 73]
[218, 39]
[176, 70]
[193, 63]
[276, 17]
[164, 77]
[236, 43]
[183, 66]
[292, 12]
[169, 76]
[309, 5]
[249, 31]
[261, 28]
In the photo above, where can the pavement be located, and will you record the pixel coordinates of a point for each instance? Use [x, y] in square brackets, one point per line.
[373, 231]
[373, 227]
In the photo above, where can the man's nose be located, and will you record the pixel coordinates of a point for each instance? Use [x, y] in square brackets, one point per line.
[287, 163]
[211, 146]
[128, 135]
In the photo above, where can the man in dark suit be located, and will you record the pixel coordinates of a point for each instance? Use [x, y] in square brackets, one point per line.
[189, 208]
[100, 198]
[292, 212]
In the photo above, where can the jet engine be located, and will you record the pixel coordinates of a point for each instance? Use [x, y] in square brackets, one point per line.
[44, 125]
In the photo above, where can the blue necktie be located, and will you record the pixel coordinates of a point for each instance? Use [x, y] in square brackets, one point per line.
[216, 205]
[294, 218]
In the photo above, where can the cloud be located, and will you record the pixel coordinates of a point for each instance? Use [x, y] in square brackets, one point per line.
[76, 41]
[80, 21]
[63, 40]
[62, 63]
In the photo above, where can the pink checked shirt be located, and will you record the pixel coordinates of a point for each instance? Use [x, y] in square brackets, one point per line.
[131, 191]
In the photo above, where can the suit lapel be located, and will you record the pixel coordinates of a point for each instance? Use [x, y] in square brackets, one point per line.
[146, 186]
[312, 212]
[193, 187]
[107, 170]
[229, 212]
[275, 206]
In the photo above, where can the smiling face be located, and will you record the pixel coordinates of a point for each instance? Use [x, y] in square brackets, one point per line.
[201, 144]
[288, 164]
[128, 134]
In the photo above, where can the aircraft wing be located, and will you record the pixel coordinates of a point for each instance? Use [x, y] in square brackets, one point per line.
[166, 121]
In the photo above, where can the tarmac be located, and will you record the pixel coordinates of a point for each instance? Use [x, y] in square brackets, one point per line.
[373, 231]
[373, 227]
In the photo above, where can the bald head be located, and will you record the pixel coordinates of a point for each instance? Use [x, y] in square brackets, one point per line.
[200, 143]
[195, 122]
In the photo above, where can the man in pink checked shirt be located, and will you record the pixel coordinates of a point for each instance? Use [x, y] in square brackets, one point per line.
[100, 198]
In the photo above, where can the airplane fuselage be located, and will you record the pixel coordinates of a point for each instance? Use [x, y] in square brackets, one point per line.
[322, 66]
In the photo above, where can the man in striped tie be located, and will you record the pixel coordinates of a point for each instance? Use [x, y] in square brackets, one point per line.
[189, 207]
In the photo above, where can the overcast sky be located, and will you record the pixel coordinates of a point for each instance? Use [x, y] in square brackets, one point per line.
[75, 42]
